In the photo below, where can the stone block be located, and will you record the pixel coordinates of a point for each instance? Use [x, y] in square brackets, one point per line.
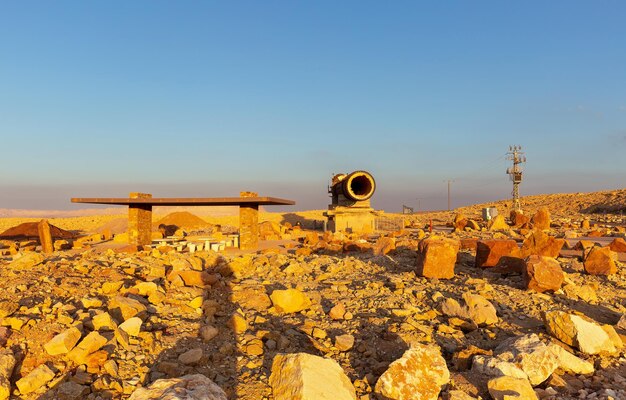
[308, 377]
[37, 378]
[543, 274]
[90, 344]
[63, 342]
[489, 252]
[248, 226]
[436, 257]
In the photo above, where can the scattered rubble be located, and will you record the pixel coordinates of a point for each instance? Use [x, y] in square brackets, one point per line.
[355, 316]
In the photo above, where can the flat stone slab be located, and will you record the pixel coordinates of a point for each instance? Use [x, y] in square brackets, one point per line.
[187, 201]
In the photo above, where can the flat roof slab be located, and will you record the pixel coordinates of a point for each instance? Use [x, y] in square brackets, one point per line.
[187, 201]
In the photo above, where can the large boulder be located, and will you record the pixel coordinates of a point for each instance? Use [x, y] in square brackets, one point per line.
[494, 366]
[541, 244]
[269, 230]
[304, 376]
[289, 301]
[419, 374]
[474, 308]
[7, 363]
[541, 219]
[498, 224]
[26, 261]
[436, 257]
[531, 355]
[63, 342]
[518, 218]
[252, 297]
[599, 261]
[123, 308]
[570, 363]
[509, 388]
[529, 358]
[460, 222]
[543, 274]
[582, 333]
[489, 252]
[188, 387]
[89, 345]
[618, 245]
[35, 379]
[384, 245]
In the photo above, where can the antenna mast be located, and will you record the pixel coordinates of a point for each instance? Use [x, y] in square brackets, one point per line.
[515, 172]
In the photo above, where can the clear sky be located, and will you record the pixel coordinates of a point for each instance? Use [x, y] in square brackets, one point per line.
[201, 98]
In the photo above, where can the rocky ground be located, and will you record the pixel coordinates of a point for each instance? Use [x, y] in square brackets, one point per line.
[94, 323]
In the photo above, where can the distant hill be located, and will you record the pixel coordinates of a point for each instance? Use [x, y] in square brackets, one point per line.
[85, 212]
[610, 201]
[17, 213]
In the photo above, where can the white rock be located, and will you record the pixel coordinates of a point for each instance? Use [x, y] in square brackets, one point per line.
[188, 387]
[492, 366]
[529, 353]
[570, 363]
[418, 374]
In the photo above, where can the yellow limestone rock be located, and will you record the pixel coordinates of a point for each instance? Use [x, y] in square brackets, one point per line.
[28, 260]
[302, 376]
[132, 326]
[146, 288]
[90, 344]
[123, 308]
[103, 322]
[63, 342]
[418, 374]
[238, 322]
[36, 379]
[7, 363]
[531, 355]
[186, 387]
[509, 388]
[499, 224]
[436, 257]
[584, 334]
[570, 363]
[289, 301]
[111, 287]
[541, 219]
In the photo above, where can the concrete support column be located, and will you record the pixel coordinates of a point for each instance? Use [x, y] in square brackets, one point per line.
[248, 224]
[140, 221]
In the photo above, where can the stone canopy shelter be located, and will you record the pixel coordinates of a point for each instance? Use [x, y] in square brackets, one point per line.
[140, 213]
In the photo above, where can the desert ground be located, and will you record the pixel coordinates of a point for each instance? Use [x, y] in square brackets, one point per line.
[523, 306]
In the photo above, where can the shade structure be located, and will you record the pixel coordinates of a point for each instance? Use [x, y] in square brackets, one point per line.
[29, 230]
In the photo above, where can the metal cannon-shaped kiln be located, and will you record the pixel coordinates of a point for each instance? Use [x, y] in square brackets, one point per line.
[350, 209]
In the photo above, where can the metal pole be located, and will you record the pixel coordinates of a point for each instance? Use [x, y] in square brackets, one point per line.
[449, 184]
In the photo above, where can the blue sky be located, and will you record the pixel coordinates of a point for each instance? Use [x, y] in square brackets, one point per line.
[209, 98]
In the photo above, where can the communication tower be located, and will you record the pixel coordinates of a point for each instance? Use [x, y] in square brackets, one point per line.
[516, 155]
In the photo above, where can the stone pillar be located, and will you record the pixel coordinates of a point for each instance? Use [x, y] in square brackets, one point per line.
[248, 223]
[45, 237]
[140, 221]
